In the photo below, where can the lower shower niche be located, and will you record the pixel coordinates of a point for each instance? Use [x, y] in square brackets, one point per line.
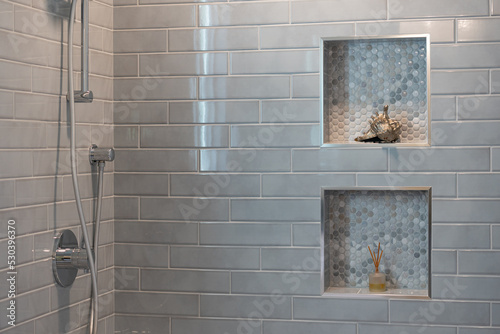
[396, 218]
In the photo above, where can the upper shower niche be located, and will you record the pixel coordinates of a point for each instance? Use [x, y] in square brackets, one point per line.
[359, 76]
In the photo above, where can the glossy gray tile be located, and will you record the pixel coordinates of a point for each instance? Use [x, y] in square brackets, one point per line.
[439, 159]
[285, 283]
[16, 76]
[33, 305]
[477, 30]
[303, 185]
[141, 255]
[156, 303]
[470, 288]
[126, 207]
[478, 108]
[461, 236]
[23, 166]
[156, 232]
[291, 259]
[185, 136]
[340, 309]
[275, 62]
[274, 136]
[454, 313]
[306, 235]
[156, 160]
[495, 81]
[213, 39]
[244, 234]
[126, 136]
[427, 8]
[482, 330]
[64, 320]
[141, 184]
[465, 211]
[495, 311]
[154, 89]
[396, 329]
[443, 185]
[478, 185]
[183, 64]
[267, 210]
[140, 112]
[444, 262]
[301, 36]
[7, 194]
[214, 112]
[187, 209]
[6, 104]
[459, 82]
[184, 281]
[440, 31]
[137, 17]
[246, 160]
[126, 323]
[6, 15]
[209, 326]
[340, 160]
[327, 11]
[495, 159]
[249, 13]
[244, 87]
[443, 108]
[125, 65]
[465, 56]
[479, 262]
[495, 231]
[140, 41]
[46, 80]
[38, 191]
[215, 258]
[290, 111]
[38, 107]
[215, 185]
[227, 306]
[286, 327]
[305, 86]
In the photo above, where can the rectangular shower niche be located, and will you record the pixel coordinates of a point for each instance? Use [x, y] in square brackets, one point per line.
[360, 75]
[354, 218]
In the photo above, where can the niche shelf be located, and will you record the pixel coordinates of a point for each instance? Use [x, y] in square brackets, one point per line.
[354, 218]
[359, 75]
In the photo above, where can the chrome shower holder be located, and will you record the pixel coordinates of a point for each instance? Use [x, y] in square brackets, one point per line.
[68, 257]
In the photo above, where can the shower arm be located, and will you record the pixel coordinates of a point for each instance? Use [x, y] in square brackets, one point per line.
[84, 95]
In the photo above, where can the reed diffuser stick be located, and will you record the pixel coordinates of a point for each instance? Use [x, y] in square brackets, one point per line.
[378, 258]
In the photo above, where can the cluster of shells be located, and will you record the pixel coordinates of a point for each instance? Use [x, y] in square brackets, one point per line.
[361, 76]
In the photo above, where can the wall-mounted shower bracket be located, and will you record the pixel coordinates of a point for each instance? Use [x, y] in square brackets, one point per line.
[82, 96]
[68, 258]
[97, 154]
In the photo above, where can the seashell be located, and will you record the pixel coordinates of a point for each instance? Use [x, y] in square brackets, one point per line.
[382, 129]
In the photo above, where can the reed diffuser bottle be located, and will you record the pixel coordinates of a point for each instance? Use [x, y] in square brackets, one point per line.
[376, 279]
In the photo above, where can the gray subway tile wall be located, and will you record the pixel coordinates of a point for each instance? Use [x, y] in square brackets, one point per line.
[214, 216]
[34, 158]
[232, 174]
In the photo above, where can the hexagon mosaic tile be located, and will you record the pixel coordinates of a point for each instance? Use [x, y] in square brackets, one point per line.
[361, 76]
[398, 219]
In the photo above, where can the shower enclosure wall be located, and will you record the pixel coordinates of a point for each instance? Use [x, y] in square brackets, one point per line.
[212, 207]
